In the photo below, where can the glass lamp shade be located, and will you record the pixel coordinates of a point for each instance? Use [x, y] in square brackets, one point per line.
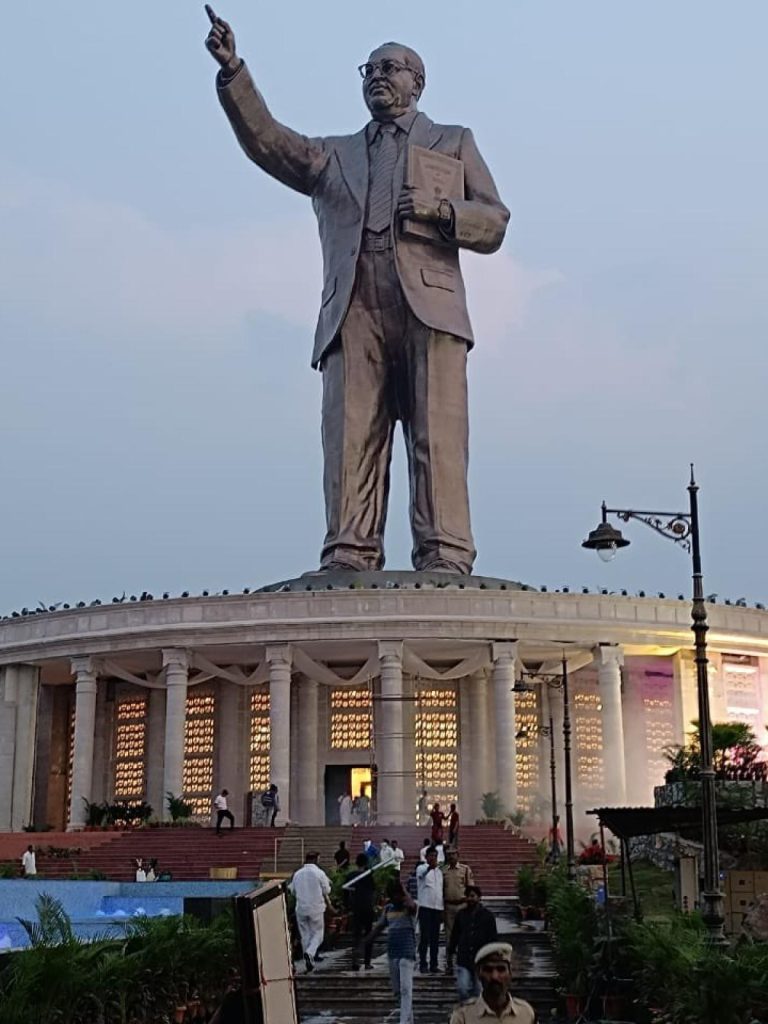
[607, 554]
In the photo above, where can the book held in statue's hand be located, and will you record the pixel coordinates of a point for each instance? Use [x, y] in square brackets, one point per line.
[438, 176]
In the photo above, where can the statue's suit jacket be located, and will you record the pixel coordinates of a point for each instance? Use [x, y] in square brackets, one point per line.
[334, 172]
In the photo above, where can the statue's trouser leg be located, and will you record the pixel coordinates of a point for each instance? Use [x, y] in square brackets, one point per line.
[433, 408]
[385, 366]
[358, 418]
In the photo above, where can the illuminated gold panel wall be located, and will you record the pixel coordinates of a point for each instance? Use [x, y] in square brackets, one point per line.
[437, 741]
[351, 719]
[198, 753]
[528, 749]
[259, 739]
[130, 750]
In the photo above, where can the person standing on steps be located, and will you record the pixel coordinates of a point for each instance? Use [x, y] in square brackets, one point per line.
[342, 856]
[456, 878]
[438, 819]
[474, 927]
[429, 881]
[423, 809]
[345, 810]
[453, 826]
[312, 889]
[29, 863]
[270, 805]
[493, 965]
[362, 905]
[398, 855]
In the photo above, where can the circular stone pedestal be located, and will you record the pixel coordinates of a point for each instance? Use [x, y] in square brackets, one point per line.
[390, 580]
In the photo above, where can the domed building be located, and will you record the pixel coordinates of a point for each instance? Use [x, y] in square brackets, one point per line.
[385, 683]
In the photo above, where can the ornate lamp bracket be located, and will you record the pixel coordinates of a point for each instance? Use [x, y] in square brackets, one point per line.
[675, 526]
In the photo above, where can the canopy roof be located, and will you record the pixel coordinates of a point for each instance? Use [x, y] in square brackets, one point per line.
[626, 822]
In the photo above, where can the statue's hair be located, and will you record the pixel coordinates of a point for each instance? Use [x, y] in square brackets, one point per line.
[412, 59]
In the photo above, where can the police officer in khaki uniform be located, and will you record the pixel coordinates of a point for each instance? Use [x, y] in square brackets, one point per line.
[493, 964]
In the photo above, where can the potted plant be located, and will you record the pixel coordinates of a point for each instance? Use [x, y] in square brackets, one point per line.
[493, 808]
[573, 924]
[178, 808]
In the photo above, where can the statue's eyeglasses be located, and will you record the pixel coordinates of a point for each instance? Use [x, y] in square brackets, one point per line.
[386, 67]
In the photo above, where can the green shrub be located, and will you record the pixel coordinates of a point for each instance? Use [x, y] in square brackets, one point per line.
[136, 978]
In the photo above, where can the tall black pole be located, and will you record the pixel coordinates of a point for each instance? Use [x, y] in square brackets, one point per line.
[569, 845]
[712, 898]
[553, 782]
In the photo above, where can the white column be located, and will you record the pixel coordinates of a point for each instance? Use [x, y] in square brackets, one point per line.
[19, 691]
[410, 794]
[176, 664]
[504, 666]
[609, 660]
[82, 750]
[389, 735]
[280, 659]
[311, 804]
[476, 695]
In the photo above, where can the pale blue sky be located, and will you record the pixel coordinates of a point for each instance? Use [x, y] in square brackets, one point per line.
[160, 420]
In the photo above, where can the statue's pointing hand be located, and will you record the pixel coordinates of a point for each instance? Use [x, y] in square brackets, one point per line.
[220, 41]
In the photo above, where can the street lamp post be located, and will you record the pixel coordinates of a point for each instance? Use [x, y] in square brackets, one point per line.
[560, 682]
[683, 529]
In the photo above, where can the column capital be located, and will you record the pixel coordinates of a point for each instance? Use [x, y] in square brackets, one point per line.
[608, 654]
[277, 653]
[504, 652]
[175, 658]
[391, 650]
[85, 670]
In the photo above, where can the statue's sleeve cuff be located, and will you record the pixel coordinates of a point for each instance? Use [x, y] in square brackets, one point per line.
[223, 79]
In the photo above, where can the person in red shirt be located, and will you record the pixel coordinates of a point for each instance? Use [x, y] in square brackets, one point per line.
[438, 818]
[453, 826]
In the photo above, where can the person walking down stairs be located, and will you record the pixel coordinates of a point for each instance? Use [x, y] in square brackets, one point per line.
[399, 921]
[312, 889]
[223, 811]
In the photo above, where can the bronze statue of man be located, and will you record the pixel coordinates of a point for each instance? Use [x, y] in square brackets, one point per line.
[393, 332]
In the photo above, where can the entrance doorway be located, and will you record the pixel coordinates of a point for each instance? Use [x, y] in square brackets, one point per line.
[345, 778]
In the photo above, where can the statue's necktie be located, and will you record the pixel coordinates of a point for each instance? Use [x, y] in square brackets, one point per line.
[383, 163]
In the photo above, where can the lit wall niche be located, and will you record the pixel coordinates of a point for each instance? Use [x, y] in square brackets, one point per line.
[588, 734]
[351, 718]
[130, 748]
[198, 753]
[527, 748]
[436, 741]
[259, 742]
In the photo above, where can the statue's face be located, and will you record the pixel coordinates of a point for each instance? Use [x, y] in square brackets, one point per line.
[388, 95]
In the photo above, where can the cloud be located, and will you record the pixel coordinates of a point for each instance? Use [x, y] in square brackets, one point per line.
[93, 263]
[90, 263]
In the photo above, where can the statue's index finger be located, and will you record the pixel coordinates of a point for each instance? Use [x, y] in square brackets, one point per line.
[211, 14]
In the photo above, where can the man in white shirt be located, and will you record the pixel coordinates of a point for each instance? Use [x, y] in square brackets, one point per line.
[386, 853]
[222, 811]
[311, 887]
[398, 855]
[429, 882]
[440, 850]
[28, 863]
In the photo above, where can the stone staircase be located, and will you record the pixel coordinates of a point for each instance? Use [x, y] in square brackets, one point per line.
[333, 993]
[495, 855]
[188, 853]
